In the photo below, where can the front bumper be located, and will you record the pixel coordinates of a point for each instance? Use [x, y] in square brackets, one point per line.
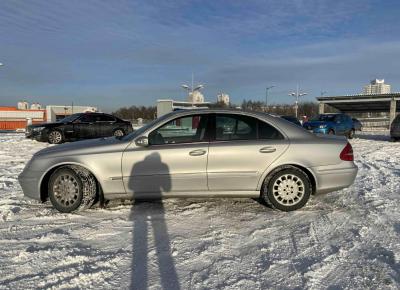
[336, 177]
[40, 136]
[30, 183]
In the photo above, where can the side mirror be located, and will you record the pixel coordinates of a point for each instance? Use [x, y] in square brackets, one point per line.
[142, 141]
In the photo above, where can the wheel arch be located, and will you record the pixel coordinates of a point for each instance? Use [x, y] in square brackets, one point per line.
[270, 173]
[43, 184]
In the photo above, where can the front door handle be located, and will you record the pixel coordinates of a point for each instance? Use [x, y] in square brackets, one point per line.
[197, 152]
[267, 149]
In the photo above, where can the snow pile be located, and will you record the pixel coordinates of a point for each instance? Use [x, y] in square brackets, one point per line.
[346, 239]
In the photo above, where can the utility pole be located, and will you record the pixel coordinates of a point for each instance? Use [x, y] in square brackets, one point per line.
[297, 95]
[266, 96]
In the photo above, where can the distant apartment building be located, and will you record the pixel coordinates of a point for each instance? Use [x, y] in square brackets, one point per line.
[223, 98]
[377, 87]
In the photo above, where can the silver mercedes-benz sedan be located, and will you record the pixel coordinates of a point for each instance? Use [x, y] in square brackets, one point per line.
[194, 153]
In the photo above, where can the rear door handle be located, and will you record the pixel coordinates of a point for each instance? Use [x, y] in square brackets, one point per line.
[267, 149]
[197, 152]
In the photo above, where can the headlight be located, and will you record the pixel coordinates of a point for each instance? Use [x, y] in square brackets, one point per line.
[37, 129]
[322, 126]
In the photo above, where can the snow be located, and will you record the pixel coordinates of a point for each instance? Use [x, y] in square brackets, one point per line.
[345, 239]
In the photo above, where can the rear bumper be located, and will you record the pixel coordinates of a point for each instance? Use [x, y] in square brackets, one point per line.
[395, 133]
[332, 178]
[30, 183]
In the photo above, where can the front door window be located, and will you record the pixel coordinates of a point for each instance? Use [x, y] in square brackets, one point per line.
[189, 129]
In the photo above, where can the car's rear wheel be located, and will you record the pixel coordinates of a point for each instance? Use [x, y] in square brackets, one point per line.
[72, 188]
[288, 189]
[331, 132]
[55, 137]
[119, 133]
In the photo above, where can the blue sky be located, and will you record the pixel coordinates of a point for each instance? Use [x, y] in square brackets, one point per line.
[121, 53]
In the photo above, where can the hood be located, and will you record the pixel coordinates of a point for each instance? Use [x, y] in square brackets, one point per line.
[47, 125]
[92, 146]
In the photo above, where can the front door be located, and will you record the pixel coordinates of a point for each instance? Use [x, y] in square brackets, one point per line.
[173, 164]
[242, 149]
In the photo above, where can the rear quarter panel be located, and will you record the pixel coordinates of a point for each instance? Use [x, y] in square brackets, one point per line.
[309, 153]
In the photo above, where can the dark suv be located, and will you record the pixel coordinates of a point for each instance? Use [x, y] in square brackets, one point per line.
[79, 126]
[395, 129]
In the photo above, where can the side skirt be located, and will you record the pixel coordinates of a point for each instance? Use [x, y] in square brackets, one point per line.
[185, 194]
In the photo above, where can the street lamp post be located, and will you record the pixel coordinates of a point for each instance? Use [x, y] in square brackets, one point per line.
[297, 95]
[266, 96]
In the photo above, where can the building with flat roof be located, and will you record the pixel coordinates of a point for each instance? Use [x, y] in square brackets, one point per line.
[363, 103]
[167, 106]
[17, 118]
[376, 86]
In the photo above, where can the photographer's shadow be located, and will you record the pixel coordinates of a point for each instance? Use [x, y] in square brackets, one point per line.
[148, 219]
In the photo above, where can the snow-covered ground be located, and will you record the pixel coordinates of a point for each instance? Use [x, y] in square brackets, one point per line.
[346, 239]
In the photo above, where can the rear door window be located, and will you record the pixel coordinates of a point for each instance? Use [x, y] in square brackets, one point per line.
[235, 127]
[240, 127]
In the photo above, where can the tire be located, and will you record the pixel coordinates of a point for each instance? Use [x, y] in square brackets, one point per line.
[351, 134]
[72, 188]
[331, 132]
[287, 190]
[118, 133]
[55, 137]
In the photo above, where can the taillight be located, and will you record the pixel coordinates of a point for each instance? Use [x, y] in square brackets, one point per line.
[347, 153]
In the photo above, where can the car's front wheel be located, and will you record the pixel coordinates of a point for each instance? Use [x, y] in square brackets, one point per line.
[55, 137]
[288, 189]
[72, 188]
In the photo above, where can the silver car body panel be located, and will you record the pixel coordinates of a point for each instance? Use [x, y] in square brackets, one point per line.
[215, 169]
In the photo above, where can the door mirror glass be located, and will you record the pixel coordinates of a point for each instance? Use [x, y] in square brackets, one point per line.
[142, 141]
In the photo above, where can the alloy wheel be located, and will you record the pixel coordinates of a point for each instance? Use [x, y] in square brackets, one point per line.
[66, 190]
[55, 137]
[118, 133]
[288, 189]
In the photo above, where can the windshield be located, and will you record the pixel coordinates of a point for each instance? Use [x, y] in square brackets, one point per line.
[325, 118]
[141, 130]
[70, 118]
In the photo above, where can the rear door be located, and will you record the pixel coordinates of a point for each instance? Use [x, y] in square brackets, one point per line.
[240, 151]
[106, 125]
[340, 124]
[85, 127]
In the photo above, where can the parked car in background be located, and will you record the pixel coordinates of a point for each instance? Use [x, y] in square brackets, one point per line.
[357, 124]
[79, 126]
[335, 124]
[194, 153]
[395, 129]
[292, 119]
